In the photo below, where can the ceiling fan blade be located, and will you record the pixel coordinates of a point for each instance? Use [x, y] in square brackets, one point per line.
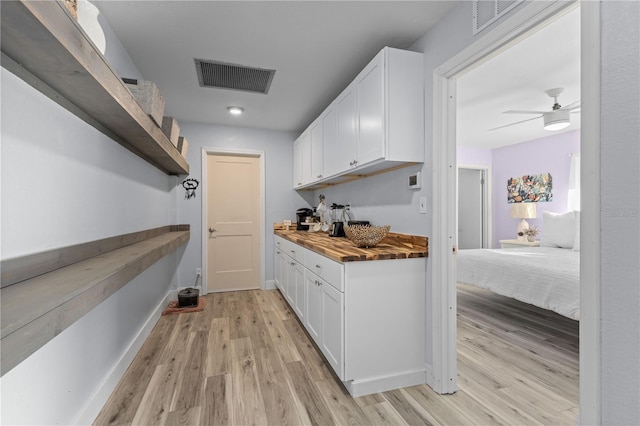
[572, 105]
[517, 122]
[517, 111]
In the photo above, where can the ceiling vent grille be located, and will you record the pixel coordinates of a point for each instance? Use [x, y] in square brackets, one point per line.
[234, 77]
[486, 12]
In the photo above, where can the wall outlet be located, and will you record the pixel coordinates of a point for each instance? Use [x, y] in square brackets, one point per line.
[198, 272]
[423, 205]
[347, 207]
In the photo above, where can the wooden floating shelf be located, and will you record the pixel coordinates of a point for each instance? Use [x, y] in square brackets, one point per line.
[38, 308]
[45, 46]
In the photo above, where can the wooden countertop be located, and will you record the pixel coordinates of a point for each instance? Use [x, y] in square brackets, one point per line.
[394, 246]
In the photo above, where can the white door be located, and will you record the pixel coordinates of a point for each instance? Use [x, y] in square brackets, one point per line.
[233, 220]
[472, 205]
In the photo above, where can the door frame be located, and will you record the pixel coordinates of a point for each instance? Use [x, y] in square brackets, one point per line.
[444, 233]
[487, 210]
[205, 152]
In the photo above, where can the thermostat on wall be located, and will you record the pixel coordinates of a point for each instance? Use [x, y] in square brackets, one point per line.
[414, 181]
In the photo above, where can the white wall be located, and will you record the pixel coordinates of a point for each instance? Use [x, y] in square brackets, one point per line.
[63, 183]
[281, 200]
[620, 212]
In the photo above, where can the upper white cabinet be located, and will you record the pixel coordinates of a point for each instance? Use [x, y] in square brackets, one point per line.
[302, 160]
[376, 123]
[317, 150]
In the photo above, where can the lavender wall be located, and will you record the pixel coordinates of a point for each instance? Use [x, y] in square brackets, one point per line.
[546, 155]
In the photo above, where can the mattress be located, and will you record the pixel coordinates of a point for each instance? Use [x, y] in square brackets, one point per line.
[546, 277]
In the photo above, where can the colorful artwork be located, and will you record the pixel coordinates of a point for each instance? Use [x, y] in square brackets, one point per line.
[529, 189]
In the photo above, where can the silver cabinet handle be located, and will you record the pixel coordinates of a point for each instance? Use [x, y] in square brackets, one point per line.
[293, 263]
[319, 176]
[318, 266]
[213, 230]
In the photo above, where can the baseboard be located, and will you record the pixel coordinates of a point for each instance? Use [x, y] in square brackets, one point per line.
[89, 413]
[270, 285]
[381, 384]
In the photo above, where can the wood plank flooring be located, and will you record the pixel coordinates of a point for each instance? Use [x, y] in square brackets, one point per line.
[246, 360]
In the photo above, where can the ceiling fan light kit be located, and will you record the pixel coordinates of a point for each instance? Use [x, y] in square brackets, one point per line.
[556, 120]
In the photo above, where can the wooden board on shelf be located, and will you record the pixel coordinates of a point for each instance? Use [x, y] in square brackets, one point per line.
[49, 48]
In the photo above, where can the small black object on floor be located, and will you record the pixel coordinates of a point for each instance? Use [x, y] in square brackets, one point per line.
[188, 297]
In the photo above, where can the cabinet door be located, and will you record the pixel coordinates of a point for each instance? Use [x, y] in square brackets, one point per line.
[297, 163]
[317, 154]
[279, 268]
[299, 299]
[302, 160]
[289, 281]
[347, 128]
[313, 321]
[332, 328]
[330, 151]
[370, 90]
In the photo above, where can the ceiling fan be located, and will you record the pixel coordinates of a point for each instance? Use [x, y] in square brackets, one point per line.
[556, 119]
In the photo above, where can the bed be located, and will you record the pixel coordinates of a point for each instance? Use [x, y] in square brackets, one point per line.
[547, 277]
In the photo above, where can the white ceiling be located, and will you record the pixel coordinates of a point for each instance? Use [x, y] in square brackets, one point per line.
[318, 47]
[517, 79]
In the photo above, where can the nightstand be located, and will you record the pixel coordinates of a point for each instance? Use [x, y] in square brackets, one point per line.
[506, 244]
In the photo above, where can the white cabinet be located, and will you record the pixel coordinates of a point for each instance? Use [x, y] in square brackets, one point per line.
[346, 111]
[280, 267]
[316, 152]
[332, 327]
[325, 320]
[330, 152]
[379, 120]
[302, 160]
[368, 318]
[371, 97]
[297, 283]
[313, 290]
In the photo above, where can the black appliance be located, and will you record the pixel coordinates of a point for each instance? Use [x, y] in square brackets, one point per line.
[337, 229]
[302, 215]
[188, 297]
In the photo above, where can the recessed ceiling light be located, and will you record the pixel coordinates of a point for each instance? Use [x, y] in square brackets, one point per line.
[235, 110]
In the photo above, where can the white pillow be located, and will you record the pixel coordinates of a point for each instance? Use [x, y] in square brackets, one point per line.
[558, 230]
[576, 242]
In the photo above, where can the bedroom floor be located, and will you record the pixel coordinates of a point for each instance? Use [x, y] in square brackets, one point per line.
[247, 360]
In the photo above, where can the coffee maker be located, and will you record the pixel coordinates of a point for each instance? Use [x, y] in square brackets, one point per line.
[302, 215]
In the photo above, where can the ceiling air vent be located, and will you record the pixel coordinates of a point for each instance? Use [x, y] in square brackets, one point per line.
[486, 12]
[232, 76]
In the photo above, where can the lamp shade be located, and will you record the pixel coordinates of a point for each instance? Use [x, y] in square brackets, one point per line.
[523, 211]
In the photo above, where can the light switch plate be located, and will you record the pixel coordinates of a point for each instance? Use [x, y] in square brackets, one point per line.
[423, 205]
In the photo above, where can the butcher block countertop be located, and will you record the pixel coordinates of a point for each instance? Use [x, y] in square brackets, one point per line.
[340, 249]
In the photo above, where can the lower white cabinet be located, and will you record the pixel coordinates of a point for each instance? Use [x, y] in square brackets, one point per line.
[332, 327]
[325, 319]
[367, 317]
[313, 323]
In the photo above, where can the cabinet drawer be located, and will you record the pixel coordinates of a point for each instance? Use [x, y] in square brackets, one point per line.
[327, 269]
[292, 250]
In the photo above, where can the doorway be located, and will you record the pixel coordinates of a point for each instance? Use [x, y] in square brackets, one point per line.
[473, 208]
[233, 220]
[444, 232]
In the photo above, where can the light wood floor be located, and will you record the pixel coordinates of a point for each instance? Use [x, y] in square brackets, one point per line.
[246, 360]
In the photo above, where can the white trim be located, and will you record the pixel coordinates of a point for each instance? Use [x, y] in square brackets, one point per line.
[506, 33]
[263, 180]
[358, 388]
[488, 196]
[590, 348]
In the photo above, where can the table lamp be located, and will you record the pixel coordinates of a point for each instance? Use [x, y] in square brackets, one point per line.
[523, 211]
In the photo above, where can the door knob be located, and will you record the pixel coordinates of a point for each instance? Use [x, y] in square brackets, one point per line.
[212, 229]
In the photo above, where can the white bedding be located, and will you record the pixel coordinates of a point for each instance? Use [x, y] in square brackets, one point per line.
[543, 276]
